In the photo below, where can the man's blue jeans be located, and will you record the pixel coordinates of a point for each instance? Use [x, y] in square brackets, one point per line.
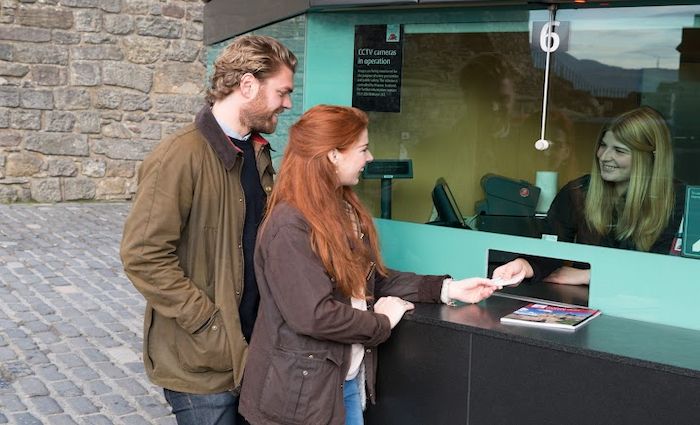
[205, 409]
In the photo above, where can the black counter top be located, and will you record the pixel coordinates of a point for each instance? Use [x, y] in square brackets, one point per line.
[660, 347]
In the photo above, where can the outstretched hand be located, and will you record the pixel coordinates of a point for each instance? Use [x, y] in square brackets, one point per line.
[471, 290]
[515, 270]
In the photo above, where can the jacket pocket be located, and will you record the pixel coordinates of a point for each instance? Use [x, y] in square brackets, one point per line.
[207, 350]
[300, 387]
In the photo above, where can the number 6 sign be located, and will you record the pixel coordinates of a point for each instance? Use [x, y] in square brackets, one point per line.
[549, 40]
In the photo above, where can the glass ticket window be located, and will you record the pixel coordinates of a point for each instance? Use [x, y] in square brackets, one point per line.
[474, 95]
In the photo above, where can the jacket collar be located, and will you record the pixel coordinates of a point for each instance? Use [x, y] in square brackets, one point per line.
[217, 139]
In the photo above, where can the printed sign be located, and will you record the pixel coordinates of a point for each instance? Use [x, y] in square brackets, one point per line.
[376, 79]
[691, 221]
[552, 36]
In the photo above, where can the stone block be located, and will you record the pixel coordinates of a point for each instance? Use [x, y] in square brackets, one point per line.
[48, 75]
[9, 96]
[106, 98]
[126, 75]
[133, 117]
[111, 6]
[4, 118]
[88, 122]
[10, 139]
[78, 188]
[80, 3]
[88, 21]
[107, 116]
[120, 169]
[62, 167]
[46, 190]
[143, 51]
[15, 192]
[183, 51]
[99, 38]
[136, 102]
[136, 7]
[13, 69]
[156, 26]
[6, 52]
[195, 31]
[46, 405]
[180, 104]
[94, 168]
[118, 24]
[97, 53]
[37, 53]
[18, 33]
[60, 121]
[72, 98]
[25, 119]
[195, 13]
[57, 143]
[179, 78]
[116, 130]
[23, 164]
[149, 130]
[83, 406]
[110, 186]
[122, 148]
[36, 99]
[45, 17]
[65, 37]
[172, 11]
[85, 73]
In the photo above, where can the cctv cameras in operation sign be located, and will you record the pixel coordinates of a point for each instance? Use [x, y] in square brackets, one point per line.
[376, 80]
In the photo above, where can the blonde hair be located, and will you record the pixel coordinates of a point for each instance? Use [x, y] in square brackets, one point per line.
[643, 212]
[259, 55]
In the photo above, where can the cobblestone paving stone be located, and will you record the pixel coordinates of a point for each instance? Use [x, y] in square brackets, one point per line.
[70, 321]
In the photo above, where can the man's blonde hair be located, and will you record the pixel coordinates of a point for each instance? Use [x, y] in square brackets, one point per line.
[259, 55]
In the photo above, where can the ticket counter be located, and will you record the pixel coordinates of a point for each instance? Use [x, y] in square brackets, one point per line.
[459, 365]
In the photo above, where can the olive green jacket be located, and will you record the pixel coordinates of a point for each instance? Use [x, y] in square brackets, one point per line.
[182, 250]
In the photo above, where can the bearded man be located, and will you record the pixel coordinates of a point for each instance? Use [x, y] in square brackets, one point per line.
[189, 239]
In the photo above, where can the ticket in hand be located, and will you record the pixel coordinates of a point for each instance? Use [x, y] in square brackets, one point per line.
[497, 281]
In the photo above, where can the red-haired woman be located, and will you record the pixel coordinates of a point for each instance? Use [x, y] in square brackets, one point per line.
[326, 297]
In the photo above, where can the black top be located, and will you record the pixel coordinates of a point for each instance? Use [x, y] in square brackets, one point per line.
[566, 219]
[255, 199]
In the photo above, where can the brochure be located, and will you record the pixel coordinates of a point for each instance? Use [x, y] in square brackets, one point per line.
[549, 316]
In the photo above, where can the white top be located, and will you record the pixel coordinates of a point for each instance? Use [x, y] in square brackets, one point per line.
[357, 352]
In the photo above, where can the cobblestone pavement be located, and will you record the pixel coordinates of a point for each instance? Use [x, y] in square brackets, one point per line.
[70, 321]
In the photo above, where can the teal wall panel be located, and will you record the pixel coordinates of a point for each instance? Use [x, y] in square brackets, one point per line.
[634, 285]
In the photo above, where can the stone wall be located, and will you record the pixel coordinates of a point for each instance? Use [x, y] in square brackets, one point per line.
[88, 87]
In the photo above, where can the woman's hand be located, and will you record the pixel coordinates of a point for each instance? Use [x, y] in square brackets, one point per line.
[569, 276]
[515, 270]
[393, 308]
[471, 290]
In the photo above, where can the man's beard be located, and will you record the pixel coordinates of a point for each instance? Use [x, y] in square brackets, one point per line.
[257, 117]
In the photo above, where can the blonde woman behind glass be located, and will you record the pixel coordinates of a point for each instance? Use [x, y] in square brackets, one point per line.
[629, 200]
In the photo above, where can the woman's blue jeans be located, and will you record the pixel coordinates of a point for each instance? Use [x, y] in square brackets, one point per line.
[353, 402]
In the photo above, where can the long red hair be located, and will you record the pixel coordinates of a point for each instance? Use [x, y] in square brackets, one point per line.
[308, 182]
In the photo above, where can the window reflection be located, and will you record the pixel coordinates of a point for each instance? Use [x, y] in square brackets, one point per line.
[471, 100]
